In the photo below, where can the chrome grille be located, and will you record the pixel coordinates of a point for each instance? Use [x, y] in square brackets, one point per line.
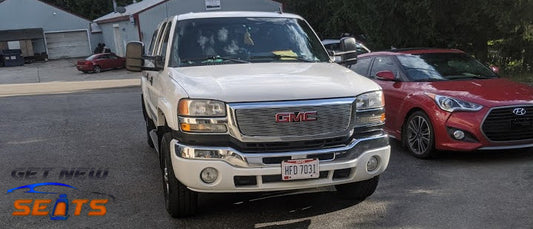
[332, 118]
[501, 124]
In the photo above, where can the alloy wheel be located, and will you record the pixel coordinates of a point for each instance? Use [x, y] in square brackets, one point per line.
[419, 135]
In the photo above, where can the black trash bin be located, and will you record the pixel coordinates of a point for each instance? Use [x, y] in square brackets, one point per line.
[11, 57]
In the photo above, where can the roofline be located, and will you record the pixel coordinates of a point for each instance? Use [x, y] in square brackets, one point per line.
[114, 19]
[127, 17]
[414, 51]
[66, 11]
[228, 14]
[422, 49]
[430, 50]
[381, 53]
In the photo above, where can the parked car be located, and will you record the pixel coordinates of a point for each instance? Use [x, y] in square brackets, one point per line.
[443, 99]
[99, 62]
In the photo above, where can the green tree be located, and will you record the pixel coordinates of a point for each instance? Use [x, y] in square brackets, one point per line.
[469, 25]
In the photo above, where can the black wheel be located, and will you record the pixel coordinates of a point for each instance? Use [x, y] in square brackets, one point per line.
[179, 200]
[148, 123]
[358, 190]
[149, 127]
[97, 69]
[418, 135]
[84, 71]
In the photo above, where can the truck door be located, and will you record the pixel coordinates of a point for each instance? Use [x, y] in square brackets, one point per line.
[161, 75]
[148, 76]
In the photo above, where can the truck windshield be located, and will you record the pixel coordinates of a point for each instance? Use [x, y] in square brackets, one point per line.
[211, 41]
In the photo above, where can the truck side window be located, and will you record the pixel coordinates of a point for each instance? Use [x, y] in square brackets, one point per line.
[164, 41]
[157, 44]
[152, 42]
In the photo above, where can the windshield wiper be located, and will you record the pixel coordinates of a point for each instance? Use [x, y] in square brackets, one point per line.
[456, 77]
[279, 57]
[216, 58]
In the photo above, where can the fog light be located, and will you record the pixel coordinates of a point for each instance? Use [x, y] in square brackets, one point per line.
[458, 134]
[209, 175]
[372, 164]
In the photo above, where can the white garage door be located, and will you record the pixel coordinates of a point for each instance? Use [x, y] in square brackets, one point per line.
[67, 44]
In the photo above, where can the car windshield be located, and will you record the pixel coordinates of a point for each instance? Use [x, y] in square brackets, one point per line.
[242, 40]
[443, 66]
[92, 57]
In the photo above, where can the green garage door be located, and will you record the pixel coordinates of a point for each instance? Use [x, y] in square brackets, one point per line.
[67, 44]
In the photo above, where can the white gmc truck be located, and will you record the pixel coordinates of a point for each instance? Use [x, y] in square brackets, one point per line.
[252, 102]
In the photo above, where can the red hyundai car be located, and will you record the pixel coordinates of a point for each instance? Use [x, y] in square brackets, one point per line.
[443, 99]
[99, 62]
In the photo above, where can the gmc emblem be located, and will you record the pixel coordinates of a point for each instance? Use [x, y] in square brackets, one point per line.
[303, 116]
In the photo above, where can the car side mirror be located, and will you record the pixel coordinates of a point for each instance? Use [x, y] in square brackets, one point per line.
[495, 69]
[134, 56]
[386, 76]
[348, 51]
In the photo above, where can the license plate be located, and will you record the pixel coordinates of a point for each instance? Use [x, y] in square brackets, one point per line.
[299, 169]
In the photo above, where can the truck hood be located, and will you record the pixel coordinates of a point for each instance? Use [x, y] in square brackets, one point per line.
[486, 92]
[271, 81]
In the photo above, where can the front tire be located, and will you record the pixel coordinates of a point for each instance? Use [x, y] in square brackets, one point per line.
[358, 190]
[418, 135]
[179, 200]
[97, 69]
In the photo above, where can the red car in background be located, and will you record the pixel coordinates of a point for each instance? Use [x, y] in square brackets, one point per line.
[443, 99]
[99, 62]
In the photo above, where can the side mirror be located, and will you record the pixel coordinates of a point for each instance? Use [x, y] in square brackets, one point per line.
[495, 69]
[385, 75]
[134, 56]
[159, 63]
[348, 51]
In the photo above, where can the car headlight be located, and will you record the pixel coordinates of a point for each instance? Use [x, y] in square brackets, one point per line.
[370, 100]
[451, 104]
[201, 108]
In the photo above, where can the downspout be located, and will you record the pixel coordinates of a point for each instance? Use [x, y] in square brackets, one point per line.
[138, 24]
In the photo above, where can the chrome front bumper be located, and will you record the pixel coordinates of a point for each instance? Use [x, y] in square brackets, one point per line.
[260, 166]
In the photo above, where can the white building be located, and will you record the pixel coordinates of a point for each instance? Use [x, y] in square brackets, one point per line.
[141, 19]
[36, 27]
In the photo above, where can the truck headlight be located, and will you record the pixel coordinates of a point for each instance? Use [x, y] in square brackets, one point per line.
[202, 116]
[451, 104]
[202, 108]
[204, 128]
[370, 109]
[370, 100]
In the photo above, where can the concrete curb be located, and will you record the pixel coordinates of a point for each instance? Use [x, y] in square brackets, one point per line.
[7, 90]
